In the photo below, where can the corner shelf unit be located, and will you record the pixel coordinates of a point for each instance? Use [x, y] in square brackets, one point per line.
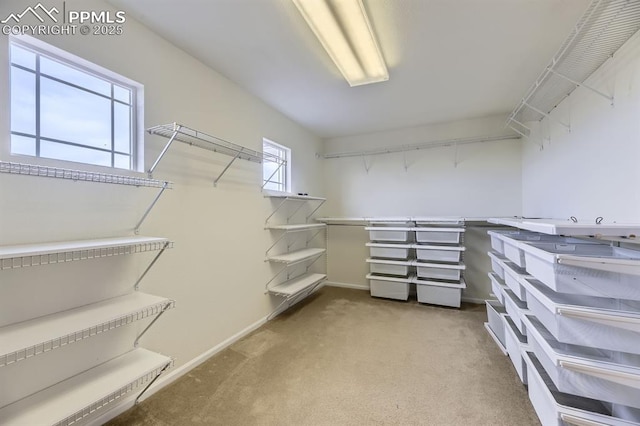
[294, 288]
[181, 133]
[77, 397]
[605, 26]
[85, 176]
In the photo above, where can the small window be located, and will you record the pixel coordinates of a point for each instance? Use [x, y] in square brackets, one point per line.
[276, 166]
[64, 108]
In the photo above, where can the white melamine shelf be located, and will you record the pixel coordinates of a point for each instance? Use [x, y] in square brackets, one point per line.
[22, 255]
[80, 175]
[570, 228]
[291, 196]
[77, 397]
[299, 227]
[296, 256]
[297, 285]
[30, 338]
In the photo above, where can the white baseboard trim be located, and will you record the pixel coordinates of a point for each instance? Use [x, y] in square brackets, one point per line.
[475, 300]
[347, 285]
[173, 375]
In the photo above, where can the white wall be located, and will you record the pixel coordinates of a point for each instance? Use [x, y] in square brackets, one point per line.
[216, 272]
[592, 171]
[485, 182]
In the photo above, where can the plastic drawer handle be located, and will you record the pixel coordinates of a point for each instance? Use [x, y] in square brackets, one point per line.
[621, 377]
[611, 319]
[579, 421]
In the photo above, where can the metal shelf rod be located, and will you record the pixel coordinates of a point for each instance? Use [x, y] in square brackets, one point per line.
[164, 150]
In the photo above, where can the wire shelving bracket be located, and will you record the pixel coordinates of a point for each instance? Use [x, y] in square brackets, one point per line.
[181, 133]
[605, 26]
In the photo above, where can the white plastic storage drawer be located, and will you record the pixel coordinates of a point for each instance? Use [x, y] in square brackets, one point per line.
[438, 235]
[512, 276]
[497, 263]
[587, 269]
[516, 309]
[555, 408]
[389, 287]
[593, 373]
[439, 271]
[439, 293]
[439, 253]
[516, 344]
[585, 320]
[388, 233]
[389, 251]
[495, 323]
[389, 267]
[497, 287]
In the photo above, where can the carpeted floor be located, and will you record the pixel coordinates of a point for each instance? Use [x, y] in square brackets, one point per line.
[344, 358]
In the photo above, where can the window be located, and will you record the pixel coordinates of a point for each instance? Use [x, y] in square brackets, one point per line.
[276, 166]
[65, 108]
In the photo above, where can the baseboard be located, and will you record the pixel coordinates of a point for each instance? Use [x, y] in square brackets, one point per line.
[173, 375]
[347, 285]
[474, 300]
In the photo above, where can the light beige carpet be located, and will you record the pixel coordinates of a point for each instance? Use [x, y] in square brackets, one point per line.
[342, 357]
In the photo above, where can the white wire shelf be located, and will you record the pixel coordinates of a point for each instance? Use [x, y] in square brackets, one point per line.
[296, 256]
[80, 175]
[297, 285]
[18, 256]
[30, 338]
[72, 400]
[601, 31]
[570, 228]
[298, 228]
[291, 196]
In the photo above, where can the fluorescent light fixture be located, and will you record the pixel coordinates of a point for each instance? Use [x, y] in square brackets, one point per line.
[343, 28]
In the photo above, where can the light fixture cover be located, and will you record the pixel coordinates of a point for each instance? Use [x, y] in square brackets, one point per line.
[343, 28]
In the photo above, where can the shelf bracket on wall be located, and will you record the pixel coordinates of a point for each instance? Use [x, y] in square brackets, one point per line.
[404, 161]
[314, 210]
[280, 165]
[313, 236]
[292, 300]
[153, 203]
[164, 150]
[164, 309]
[611, 99]
[547, 116]
[455, 155]
[215, 181]
[155, 259]
[367, 167]
[152, 381]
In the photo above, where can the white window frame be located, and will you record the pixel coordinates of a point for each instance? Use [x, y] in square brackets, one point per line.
[285, 169]
[137, 104]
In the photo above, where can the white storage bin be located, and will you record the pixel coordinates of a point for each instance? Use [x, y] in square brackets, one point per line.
[439, 293]
[389, 267]
[497, 263]
[555, 408]
[389, 287]
[498, 237]
[438, 253]
[516, 344]
[438, 235]
[512, 276]
[495, 323]
[587, 269]
[388, 233]
[439, 271]
[389, 251]
[585, 320]
[516, 309]
[593, 373]
[497, 286]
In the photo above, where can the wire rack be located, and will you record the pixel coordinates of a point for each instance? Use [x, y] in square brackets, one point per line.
[79, 175]
[601, 31]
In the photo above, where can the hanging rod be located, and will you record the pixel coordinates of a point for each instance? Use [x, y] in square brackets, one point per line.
[604, 27]
[419, 146]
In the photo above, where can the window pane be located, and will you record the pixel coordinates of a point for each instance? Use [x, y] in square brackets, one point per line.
[122, 94]
[23, 57]
[60, 151]
[122, 161]
[73, 115]
[23, 101]
[23, 145]
[122, 127]
[71, 75]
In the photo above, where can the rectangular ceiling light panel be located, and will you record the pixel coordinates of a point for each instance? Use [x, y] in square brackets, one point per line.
[343, 28]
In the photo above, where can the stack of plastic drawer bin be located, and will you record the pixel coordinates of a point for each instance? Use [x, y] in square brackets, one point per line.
[571, 324]
[439, 254]
[391, 259]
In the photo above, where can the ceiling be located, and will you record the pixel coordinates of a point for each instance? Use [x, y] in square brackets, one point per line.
[448, 59]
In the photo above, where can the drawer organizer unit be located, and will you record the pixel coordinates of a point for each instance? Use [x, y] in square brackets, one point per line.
[572, 323]
[294, 280]
[426, 252]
